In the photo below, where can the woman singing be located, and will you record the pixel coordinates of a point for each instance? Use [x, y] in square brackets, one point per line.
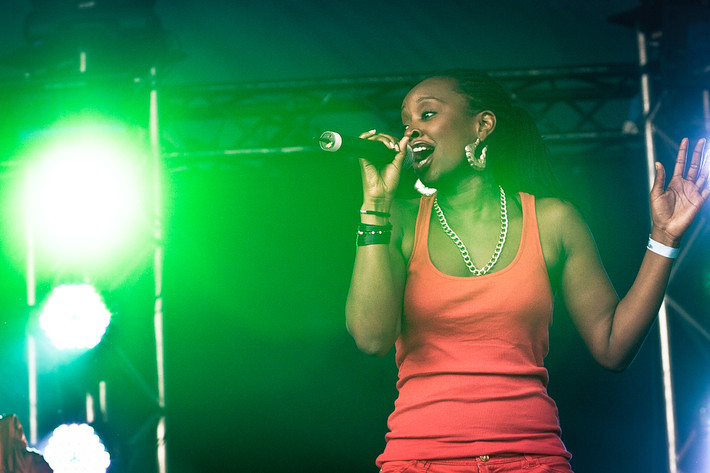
[462, 281]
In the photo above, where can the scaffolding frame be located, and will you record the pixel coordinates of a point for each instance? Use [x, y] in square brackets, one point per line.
[582, 105]
[658, 44]
[34, 92]
[570, 105]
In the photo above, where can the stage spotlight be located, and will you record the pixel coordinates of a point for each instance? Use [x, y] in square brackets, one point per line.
[75, 448]
[75, 317]
[86, 192]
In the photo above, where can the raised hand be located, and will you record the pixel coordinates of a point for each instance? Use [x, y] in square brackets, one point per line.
[674, 209]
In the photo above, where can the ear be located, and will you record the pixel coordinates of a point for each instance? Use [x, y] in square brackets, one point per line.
[485, 123]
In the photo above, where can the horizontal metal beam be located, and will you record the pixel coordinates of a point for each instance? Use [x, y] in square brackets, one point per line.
[569, 104]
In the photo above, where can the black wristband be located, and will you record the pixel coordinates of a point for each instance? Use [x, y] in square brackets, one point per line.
[375, 212]
[373, 234]
[366, 227]
[379, 238]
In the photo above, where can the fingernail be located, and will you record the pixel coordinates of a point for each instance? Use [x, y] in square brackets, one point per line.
[372, 132]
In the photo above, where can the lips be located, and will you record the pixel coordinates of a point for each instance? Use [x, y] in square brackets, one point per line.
[421, 154]
[421, 151]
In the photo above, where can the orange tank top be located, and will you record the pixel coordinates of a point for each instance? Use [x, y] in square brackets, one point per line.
[470, 357]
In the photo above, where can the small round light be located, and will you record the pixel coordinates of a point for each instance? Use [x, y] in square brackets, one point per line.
[75, 317]
[75, 448]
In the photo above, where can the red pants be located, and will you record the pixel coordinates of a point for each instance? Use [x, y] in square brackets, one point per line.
[501, 464]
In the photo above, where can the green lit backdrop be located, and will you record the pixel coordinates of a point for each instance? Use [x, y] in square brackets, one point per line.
[258, 227]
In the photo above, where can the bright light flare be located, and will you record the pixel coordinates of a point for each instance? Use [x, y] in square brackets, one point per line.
[75, 317]
[75, 448]
[85, 191]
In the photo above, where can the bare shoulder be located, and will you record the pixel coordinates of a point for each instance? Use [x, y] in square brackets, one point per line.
[557, 218]
[560, 225]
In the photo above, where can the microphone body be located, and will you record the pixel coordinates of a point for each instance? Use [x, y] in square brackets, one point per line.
[374, 151]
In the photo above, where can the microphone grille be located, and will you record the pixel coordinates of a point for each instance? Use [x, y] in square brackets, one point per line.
[330, 141]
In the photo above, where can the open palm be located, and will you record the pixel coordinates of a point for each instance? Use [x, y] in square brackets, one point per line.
[674, 209]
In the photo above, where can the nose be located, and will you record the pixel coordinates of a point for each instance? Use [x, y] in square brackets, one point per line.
[413, 133]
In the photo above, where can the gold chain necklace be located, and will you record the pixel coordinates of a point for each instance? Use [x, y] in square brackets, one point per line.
[462, 248]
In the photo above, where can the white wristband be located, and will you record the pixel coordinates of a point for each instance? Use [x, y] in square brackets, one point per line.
[661, 249]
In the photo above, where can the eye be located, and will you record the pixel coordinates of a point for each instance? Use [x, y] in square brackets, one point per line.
[428, 115]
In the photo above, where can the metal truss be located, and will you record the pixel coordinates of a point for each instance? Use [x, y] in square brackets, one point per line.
[674, 103]
[570, 105]
[579, 106]
[122, 102]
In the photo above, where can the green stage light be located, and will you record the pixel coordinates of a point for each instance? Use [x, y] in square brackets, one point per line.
[74, 448]
[86, 192]
[75, 317]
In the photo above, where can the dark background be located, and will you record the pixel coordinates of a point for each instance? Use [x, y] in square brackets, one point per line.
[261, 374]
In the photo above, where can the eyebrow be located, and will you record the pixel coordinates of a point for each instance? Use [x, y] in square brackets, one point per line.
[427, 97]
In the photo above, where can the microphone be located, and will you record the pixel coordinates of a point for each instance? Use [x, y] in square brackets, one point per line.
[374, 151]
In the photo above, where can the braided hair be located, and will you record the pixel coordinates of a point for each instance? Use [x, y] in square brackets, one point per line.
[517, 155]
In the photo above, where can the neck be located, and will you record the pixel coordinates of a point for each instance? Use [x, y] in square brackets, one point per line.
[477, 195]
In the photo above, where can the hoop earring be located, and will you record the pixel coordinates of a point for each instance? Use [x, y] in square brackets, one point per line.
[477, 163]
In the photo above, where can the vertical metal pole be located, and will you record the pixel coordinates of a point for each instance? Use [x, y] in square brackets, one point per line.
[90, 409]
[646, 105]
[32, 376]
[158, 269]
[31, 295]
[662, 314]
[102, 401]
[706, 111]
[82, 62]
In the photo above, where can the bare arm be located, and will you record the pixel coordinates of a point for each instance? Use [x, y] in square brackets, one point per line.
[373, 311]
[614, 329]
[374, 306]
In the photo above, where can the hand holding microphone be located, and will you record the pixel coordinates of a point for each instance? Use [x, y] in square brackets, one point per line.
[381, 177]
[376, 152]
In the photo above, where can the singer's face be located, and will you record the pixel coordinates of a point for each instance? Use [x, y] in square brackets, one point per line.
[437, 119]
